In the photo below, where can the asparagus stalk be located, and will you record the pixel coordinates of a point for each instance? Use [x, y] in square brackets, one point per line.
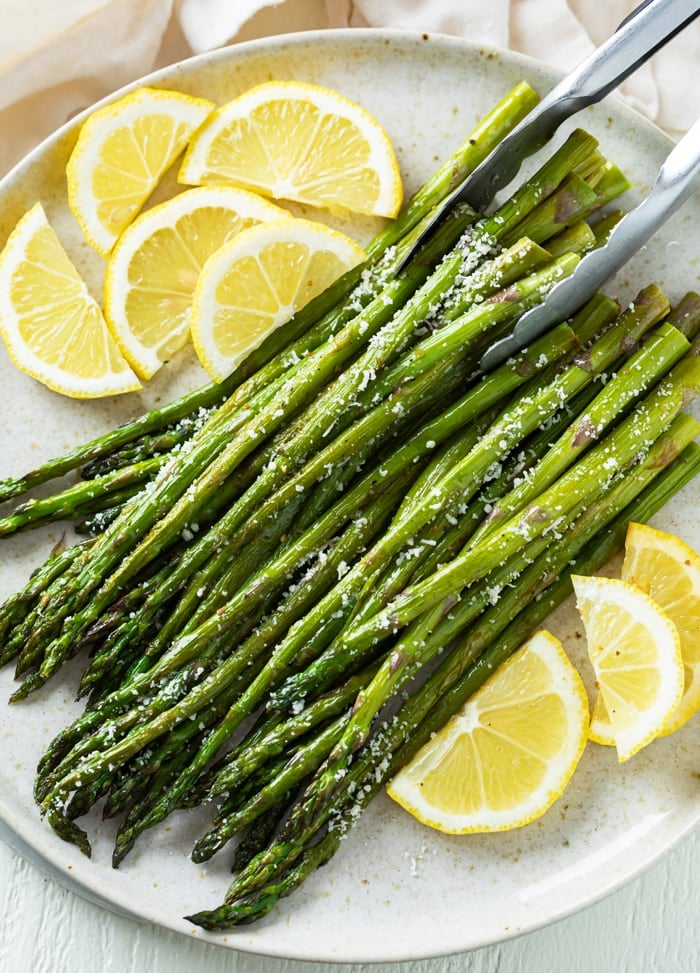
[579, 238]
[77, 742]
[259, 903]
[616, 451]
[14, 610]
[192, 476]
[246, 519]
[603, 227]
[77, 499]
[686, 315]
[469, 154]
[254, 892]
[663, 349]
[124, 749]
[535, 404]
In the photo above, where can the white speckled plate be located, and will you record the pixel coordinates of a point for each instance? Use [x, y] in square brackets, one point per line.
[395, 890]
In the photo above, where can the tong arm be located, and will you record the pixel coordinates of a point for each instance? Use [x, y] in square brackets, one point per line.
[678, 177]
[641, 34]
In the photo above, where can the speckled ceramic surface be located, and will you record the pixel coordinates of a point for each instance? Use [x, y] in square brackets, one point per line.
[395, 890]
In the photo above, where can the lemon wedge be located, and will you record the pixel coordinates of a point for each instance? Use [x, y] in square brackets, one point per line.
[636, 655]
[510, 751]
[258, 281]
[121, 153]
[54, 330]
[301, 142]
[668, 570]
[154, 267]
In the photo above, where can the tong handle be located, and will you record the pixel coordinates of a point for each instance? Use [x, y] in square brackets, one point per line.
[640, 35]
[678, 177]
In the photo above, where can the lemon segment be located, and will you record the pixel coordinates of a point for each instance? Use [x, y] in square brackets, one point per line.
[636, 655]
[54, 330]
[668, 570]
[601, 729]
[121, 153]
[301, 142]
[258, 281]
[154, 267]
[510, 751]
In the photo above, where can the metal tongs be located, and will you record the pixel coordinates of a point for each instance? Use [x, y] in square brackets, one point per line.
[640, 35]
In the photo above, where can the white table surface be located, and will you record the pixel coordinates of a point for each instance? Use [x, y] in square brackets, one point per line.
[649, 926]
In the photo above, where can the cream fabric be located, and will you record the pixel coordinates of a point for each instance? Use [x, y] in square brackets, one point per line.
[57, 58]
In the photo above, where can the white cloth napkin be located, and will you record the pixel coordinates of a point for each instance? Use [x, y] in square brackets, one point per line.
[56, 59]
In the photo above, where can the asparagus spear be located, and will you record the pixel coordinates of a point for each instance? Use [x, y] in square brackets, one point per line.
[183, 484]
[15, 608]
[579, 238]
[686, 314]
[77, 498]
[136, 739]
[535, 404]
[468, 155]
[550, 508]
[618, 449]
[114, 719]
[663, 349]
[255, 891]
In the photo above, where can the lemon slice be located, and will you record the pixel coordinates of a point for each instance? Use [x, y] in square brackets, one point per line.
[301, 142]
[54, 330]
[122, 151]
[636, 655]
[258, 281]
[668, 570]
[508, 754]
[154, 267]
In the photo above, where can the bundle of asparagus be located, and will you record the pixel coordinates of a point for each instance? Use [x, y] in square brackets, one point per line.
[277, 559]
